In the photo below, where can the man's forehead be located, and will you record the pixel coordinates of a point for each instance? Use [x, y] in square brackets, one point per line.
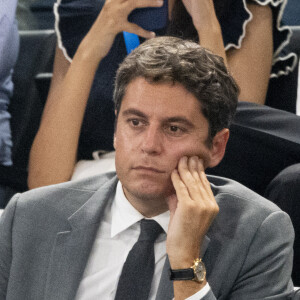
[166, 95]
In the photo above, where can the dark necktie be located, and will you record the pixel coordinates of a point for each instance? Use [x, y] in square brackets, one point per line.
[137, 273]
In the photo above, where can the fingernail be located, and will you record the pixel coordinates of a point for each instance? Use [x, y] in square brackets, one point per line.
[194, 159]
[194, 162]
[160, 2]
[152, 35]
[183, 159]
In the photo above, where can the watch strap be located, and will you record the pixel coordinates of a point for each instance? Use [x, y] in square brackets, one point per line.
[182, 274]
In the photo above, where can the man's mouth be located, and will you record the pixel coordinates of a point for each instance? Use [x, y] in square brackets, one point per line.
[148, 169]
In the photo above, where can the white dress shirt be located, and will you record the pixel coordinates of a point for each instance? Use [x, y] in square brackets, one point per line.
[118, 232]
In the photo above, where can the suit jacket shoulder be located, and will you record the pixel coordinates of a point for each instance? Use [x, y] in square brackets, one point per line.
[236, 199]
[46, 235]
[251, 244]
[62, 200]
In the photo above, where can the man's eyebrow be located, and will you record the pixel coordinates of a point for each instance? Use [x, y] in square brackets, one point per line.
[174, 119]
[133, 111]
[180, 119]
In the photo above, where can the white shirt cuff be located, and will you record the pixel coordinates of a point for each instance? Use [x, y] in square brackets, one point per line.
[199, 295]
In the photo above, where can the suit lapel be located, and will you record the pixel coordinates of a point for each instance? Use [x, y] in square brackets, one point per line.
[165, 288]
[72, 248]
[67, 262]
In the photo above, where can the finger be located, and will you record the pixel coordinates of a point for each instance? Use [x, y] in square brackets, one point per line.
[172, 204]
[186, 167]
[133, 28]
[184, 172]
[203, 178]
[180, 188]
[193, 167]
[196, 172]
[145, 3]
[209, 197]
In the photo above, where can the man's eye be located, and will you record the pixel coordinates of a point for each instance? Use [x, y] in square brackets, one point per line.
[174, 129]
[135, 122]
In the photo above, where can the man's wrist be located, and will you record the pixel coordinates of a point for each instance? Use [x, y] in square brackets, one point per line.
[186, 289]
[184, 259]
[196, 272]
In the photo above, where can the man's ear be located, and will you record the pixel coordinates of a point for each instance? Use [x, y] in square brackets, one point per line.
[218, 147]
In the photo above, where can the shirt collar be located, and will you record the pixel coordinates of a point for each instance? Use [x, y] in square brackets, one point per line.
[125, 215]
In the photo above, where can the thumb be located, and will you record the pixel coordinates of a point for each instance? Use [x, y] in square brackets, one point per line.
[172, 204]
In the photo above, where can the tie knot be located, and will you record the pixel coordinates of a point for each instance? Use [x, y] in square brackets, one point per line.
[150, 230]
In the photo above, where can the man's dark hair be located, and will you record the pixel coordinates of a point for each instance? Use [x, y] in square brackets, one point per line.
[173, 60]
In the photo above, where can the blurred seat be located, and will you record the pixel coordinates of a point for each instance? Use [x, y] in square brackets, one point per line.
[32, 75]
[43, 12]
[295, 39]
[296, 293]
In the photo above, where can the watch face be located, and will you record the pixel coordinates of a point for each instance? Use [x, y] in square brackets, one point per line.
[200, 271]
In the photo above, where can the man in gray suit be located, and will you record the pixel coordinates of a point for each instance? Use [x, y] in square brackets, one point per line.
[174, 102]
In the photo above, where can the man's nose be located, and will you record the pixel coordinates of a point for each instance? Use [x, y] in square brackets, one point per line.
[152, 140]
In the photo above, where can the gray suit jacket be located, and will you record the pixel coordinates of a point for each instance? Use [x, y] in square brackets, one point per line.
[46, 236]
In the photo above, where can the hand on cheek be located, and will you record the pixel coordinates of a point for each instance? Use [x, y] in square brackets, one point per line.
[192, 210]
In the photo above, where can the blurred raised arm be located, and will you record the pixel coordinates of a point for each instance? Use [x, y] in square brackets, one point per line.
[251, 64]
[54, 150]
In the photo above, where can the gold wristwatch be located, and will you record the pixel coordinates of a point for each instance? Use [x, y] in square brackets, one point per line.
[196, 272]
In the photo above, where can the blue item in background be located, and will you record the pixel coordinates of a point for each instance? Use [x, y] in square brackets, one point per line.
[131, 41]
[150, 18]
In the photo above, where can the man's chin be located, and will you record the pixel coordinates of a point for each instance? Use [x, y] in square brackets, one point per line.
[145, 186]
[149, 192]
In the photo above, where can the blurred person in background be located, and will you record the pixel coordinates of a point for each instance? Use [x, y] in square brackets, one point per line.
[9, 48]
